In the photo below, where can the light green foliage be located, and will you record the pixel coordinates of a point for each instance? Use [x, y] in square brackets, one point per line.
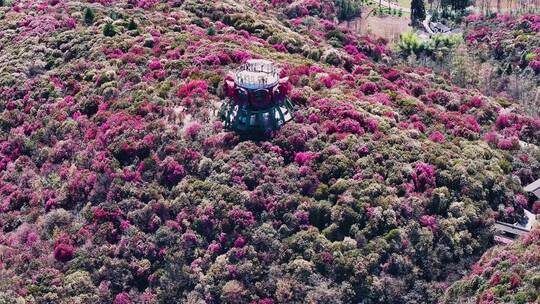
[442, 44]
[410, 43]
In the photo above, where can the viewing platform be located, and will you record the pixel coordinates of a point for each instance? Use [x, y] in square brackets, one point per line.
[257, 98]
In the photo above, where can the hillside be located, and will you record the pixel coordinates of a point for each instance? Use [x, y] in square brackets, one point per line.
[119, 184]
[505, 274]
[509, 50]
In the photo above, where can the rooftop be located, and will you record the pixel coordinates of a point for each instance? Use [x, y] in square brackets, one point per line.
[256, 74]
[534, 187]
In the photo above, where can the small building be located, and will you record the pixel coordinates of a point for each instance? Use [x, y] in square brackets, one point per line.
[506, 233]
[257, 98]
[438, 27]
[534, 188]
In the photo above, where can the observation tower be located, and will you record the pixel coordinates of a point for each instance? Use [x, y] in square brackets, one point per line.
[257, 98]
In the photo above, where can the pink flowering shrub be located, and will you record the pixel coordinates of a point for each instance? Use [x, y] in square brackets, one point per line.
[369, 88]
[423, 176]
[63, 250]
[302, 158]
[508, 272]
[437, 137]
[429, 221]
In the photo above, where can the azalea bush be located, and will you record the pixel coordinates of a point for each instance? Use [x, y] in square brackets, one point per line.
[118, 184]
[505, 274]
[512, 46]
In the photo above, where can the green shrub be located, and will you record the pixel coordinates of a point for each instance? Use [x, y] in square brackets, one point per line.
[132, 25]
[89, 16]
[109, 30]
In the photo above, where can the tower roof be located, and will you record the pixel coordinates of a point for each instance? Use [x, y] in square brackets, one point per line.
[256, 74]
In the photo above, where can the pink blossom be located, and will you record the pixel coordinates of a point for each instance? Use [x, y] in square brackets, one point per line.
[369, 88]
[122, 298]
[423, 176]
[429, 221]
[173, 171]
[239, 242]
[437, 137]
[302, 158]
[280, 47]
[63, 252]
[192, 130]
[242, 218]
[194, 87]
[506, 144]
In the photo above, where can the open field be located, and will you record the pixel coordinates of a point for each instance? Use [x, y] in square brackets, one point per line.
[509, 6]
[388, 27]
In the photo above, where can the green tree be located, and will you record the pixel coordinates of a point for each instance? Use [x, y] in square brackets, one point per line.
[132, 25]
[409, 43]
[109, 30]
[89, 16]
[211, 31]
[348, 9]
[418, 11]
[456, 5]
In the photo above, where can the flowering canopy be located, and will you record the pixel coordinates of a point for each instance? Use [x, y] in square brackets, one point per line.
[118, 184]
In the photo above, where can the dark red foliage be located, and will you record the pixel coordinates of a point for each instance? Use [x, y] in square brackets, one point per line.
[63, 252]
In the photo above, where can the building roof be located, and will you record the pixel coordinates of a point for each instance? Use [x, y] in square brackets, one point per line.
[440, 27]
[533, 186]
[519, 228]
[256, 74]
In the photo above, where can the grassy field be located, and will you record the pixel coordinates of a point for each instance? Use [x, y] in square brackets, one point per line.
[386, 11]
[404, 3]
[389, 27]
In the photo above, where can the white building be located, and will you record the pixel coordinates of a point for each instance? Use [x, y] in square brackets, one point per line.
[534, 188]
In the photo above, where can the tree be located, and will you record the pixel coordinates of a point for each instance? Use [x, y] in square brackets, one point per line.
[348, 9]
[418, 12]
[132, 25]
[211, 31]
[459, 5]
[89, 16]
[108, 30]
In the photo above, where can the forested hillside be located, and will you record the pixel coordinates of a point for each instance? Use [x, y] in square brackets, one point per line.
[119, 184]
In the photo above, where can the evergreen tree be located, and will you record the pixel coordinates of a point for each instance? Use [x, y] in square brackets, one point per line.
[348, 9]
[418, 12]
[89, 16]
[456, 5]
[132, 25]
[108, 30]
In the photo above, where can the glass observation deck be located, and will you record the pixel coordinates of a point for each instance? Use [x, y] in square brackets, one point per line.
[257, 98]
[256, 74]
